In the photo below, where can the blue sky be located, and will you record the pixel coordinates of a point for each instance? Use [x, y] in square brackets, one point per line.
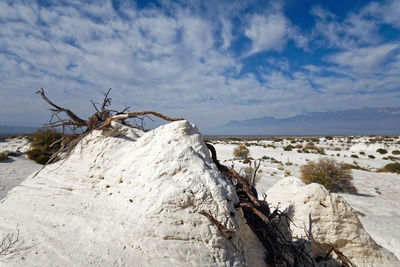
[206, 61]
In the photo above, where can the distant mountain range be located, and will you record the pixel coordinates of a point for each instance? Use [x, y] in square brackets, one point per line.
[363, 121]
[7, 130]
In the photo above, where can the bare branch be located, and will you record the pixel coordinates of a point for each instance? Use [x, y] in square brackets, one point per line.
[256, 167]
[74, 118]
[9, 243]
[227, 233]
[106, 101]
[95, 107]
[136, 114]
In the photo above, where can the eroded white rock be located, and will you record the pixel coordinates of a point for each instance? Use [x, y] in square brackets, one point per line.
[330, 219]
[129, 200]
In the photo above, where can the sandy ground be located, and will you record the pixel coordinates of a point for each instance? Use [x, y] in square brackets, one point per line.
[378, 193]
[377, 199]
[15, 169]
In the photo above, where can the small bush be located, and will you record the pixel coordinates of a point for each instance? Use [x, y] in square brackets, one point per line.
[371, 156]
[288, 148]
[354, 156]
[320, 150]
[396, 152]
[241, 152]
[3, 156]
[391, 167]
[362, 153]
[381, 151]
[246, 160]
[334, 176]
[40, 147]
[354, 166]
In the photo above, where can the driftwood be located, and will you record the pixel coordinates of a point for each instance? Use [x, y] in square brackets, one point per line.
[100, 120]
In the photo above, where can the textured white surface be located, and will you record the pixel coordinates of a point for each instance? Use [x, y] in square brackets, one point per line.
[330, 219]
[378, 197]
[131, 200]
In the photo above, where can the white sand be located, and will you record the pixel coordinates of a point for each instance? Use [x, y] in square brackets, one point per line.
[14, 170]
[378, 198]
[129, 201]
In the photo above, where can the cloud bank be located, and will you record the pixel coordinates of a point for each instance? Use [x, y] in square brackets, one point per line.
[209, 63]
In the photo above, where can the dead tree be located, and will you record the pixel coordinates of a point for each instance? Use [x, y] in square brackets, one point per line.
[255, 168]
[100, 120]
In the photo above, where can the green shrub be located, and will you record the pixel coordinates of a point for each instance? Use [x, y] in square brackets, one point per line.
[396, 152]
[246, 160]
[241, 152]
[41, 149]
[334, 176]
[381, 151]
[320, 150]
[3, 156]
[288, 148]
[371, 156]
[391, 167]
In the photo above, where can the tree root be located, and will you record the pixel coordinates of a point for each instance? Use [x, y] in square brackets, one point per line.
[279, 250]
[227, 233]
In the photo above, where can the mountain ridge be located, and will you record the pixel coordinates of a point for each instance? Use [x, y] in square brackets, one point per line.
[361, 121]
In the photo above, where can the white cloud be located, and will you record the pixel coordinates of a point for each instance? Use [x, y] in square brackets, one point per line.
[352, 31]
[180, 63]
[387, 12]
[267, 32]
[365, 59]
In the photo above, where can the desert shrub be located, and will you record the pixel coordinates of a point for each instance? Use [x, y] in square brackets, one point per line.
[354, 156]
[371, 156]
[41, 149]
[337, 149]
[288, 148]
[391, 167]
[246, 160]
[354, 166]
[392, 158]
[362, 153]
[328, 137]
[3, 156]
[320, 150]
[241, 152]
[381, 151]
[333, 175]
[396, 152]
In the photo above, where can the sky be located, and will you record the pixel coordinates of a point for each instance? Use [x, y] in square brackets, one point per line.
[206, 61]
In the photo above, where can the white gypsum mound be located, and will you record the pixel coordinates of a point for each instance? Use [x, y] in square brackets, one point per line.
[326, 219]
[129, 200]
